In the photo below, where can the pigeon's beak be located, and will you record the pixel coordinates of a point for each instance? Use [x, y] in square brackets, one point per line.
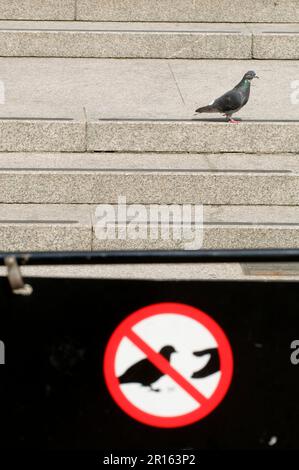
[256, 76]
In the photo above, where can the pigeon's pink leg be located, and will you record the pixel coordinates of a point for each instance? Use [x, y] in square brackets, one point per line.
[230, 119]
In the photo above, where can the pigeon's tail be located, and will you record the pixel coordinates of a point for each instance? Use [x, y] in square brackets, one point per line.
[125, 378]
[207, 109]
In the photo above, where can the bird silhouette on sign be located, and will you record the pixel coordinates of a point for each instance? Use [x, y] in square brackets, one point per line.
[144, 372]
[212, 366]
[232, 101]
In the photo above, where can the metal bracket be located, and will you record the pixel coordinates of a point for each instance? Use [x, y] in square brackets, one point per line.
[15, 277]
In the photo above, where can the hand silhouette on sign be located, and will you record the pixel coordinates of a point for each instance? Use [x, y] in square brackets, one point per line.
[211, 367]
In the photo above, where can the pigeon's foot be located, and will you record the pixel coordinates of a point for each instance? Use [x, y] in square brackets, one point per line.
[230, 119]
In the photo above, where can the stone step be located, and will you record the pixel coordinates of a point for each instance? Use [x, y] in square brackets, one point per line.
[144, 105]
[75, 227]
[42, 135]
[139, 88]
[147, 135]
[197, 135]
[267, 11]
[45, 227]
[38, 9]
[148, 40]
[271, 41]
[124, 40]
[86, 178]
[254, 11]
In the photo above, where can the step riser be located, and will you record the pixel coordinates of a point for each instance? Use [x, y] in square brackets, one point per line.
[214, 238]
[162, 45]
[145, 188]
[148, 136]
[42, 136]
[255, 11]
[31, 237]
[125, 45]
[276, 46]
[26, 237]
[213, 137]
[265, 11]
[37, 9]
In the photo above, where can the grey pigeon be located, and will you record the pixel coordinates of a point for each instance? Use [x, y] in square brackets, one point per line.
[232, 101]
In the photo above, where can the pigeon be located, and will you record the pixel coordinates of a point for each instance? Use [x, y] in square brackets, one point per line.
[232, 101]
[212, 366]
[144, 372]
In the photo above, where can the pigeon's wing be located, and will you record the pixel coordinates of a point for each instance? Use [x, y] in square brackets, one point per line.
[230, 101]
[245, 98]
[143, 372]
[133, 373]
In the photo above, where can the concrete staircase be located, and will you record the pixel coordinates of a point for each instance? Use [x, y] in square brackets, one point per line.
[97, 102]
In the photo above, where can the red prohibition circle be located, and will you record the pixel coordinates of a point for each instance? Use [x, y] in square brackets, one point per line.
[225, 355]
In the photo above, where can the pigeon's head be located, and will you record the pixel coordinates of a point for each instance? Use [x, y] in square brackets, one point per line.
[250, 75]
[166, 351]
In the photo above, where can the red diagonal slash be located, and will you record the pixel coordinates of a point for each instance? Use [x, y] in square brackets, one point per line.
[164, 366]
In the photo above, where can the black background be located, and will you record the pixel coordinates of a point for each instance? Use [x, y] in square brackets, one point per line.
[52, 391]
